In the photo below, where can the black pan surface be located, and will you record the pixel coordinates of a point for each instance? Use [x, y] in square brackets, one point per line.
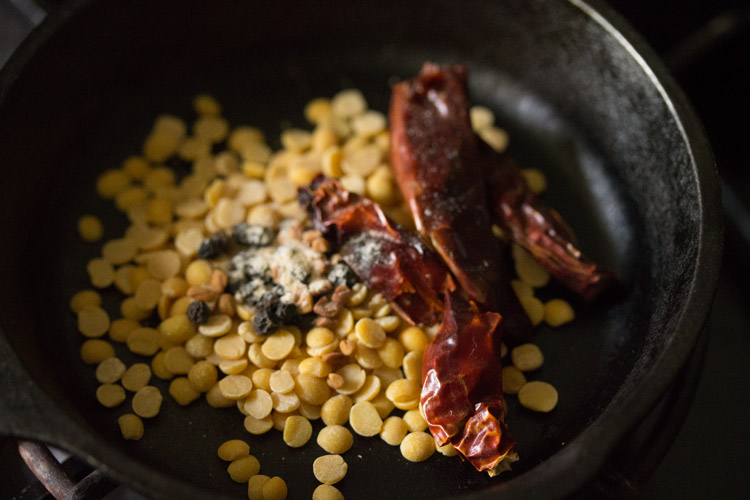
[634, 181]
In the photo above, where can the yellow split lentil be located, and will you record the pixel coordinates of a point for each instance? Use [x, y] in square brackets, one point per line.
[131, 426]
[330, 469]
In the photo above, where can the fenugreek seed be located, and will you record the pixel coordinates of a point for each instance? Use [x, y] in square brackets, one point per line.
[347, 347]
[334, 380]
[225, 305]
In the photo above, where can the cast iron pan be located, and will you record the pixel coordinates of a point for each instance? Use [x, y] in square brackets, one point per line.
[583, 99]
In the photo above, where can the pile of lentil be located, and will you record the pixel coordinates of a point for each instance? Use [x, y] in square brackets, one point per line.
[249, 307]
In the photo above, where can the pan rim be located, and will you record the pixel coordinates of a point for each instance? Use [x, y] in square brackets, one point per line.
[629, 404]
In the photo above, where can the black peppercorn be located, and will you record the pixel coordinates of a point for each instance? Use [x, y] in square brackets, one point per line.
[198, 312]
[263, 323]
[286, 313]
[213, 246]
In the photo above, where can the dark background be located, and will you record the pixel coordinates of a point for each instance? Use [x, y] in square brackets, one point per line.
[707, 47]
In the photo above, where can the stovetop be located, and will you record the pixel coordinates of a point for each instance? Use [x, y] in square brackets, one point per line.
[706, 45]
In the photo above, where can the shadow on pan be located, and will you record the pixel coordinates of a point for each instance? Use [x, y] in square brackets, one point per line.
[626, 161]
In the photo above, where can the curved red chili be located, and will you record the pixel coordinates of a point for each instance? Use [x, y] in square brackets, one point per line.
[435, 155]
[462, 395]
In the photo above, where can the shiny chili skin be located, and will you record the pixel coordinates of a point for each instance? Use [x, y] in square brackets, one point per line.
[540, 229]
[435, 155]
[386, 257]
[462, 395]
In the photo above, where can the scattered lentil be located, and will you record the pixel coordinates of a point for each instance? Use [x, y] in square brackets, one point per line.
[147, 402]
[417, 446]
[538, 396]
[110, 395]
[90, 228]
[527, 357]
[335, 439]
[274, 489]
[131, 426]
[329, 469]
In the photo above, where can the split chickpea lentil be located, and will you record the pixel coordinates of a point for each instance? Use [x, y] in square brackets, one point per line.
[356, 371]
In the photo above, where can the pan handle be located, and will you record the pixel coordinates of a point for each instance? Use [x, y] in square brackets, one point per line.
[55, 480]
[25, 410]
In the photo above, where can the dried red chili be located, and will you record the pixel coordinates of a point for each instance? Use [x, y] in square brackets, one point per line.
[435, 154]
[462, 395]
[540, 229]
[386, 257]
